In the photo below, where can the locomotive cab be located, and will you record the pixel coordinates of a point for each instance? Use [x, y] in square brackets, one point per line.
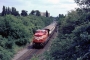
[40, 37]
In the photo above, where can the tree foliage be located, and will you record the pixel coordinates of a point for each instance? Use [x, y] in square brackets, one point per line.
[7, 11]
[18, 31]
[73, 41]
[83, 3]
[3, 11]
[38, 13]
[47, 15]
[24, 13]
[14, 12]
[32, 12]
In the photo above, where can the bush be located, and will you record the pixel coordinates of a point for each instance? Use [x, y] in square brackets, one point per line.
[73, 42]
[18, 31]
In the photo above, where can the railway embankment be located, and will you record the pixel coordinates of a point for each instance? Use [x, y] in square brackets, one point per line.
[17, 31]
[73, 41]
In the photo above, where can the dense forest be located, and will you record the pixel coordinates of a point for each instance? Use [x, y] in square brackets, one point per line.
[16, 30]
[73, 41]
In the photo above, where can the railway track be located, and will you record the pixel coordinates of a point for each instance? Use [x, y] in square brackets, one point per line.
[31, 52]
[28, 54]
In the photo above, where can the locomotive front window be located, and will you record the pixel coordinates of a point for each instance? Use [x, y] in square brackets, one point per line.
[42, 31]
[38, 38]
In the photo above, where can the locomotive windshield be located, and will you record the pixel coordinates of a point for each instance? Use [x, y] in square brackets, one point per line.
[40, 31]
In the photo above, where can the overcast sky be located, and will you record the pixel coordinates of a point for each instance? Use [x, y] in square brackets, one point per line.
[54, 7]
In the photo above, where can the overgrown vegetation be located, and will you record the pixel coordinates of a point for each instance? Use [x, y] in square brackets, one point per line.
[73, 41]
[17, 31]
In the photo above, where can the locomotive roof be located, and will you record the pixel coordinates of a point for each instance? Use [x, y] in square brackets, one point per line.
[40, 30]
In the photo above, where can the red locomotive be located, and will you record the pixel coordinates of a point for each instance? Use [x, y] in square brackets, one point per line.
[41, 36]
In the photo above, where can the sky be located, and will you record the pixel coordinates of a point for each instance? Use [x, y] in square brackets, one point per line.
[54, 7]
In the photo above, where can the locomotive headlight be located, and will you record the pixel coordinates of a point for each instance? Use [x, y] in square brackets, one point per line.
[41, 37]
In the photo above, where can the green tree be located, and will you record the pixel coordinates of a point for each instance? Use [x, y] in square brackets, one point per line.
[14, 11]
[47, 15]
[32, 12]
[17, 31]
[0, 14]
[24, 13]
[3, 11]
[38, 13]
[61, 16]
[6, 10]
[73, 37]
[9, 11]
[83, 3]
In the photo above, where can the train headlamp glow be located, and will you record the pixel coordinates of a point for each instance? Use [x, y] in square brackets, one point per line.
[38, 38]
